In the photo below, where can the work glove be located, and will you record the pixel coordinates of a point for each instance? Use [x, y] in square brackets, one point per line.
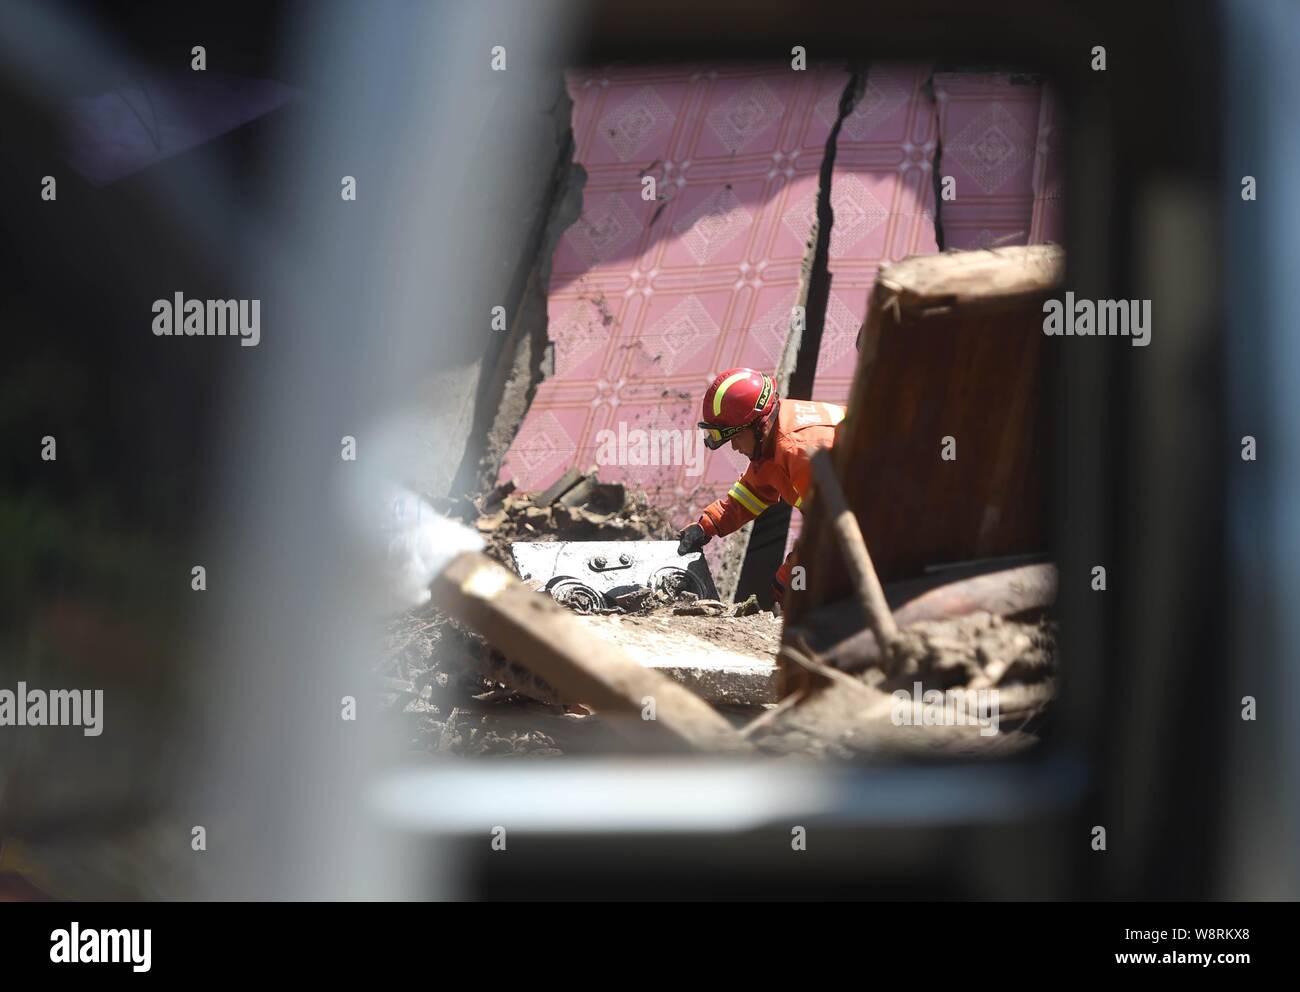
[691, 539]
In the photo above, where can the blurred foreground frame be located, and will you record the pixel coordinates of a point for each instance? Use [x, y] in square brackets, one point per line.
[1139, 668]
[1141, 740]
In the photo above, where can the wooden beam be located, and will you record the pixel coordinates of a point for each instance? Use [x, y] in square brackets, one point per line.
[535, 632]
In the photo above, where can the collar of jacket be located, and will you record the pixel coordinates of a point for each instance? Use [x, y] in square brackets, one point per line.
[768, 446]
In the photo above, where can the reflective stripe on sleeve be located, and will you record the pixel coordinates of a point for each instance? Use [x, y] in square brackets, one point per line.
[741, 494]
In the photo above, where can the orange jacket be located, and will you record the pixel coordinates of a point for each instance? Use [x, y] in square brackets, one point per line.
[783, 473]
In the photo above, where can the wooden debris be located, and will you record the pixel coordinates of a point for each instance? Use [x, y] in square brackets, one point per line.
[635, 600]
[766, 719]
[841, 633]
[702, 608]
[535, 632]
[830, 497]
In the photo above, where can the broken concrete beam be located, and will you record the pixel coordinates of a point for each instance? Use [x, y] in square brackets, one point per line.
[558, 488]
[535, 632]
[748, 683]
[740, 674]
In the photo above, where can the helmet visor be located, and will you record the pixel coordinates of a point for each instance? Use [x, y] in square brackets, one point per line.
[715, 437]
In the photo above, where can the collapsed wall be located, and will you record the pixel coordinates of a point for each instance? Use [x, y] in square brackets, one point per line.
[701, 211]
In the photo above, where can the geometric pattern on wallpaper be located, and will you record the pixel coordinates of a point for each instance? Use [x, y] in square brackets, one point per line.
[579, 333]
[992, 147]
[605, 227]
[1002, 143]
[629, 127]
[746, 114]
[541, 446]
[680, 334]
[857, 213]
[839, 335]
[718, 220]
[649, 299]
[769, 333]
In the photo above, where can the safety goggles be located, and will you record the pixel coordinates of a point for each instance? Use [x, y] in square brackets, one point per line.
[715, 437]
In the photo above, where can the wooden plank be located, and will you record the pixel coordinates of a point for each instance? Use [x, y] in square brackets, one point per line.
[840, 632]
[950, 346]
[829, 500]
[533, 631]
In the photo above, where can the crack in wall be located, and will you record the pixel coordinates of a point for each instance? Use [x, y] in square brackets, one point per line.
[936, 173]
[526, 357]
[765, 548]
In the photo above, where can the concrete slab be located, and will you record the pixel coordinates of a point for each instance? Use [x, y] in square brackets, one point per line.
[724, 660]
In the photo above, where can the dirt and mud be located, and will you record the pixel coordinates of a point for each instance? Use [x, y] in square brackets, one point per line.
[449, 692]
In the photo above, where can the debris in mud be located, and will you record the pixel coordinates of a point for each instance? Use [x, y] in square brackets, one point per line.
[981, 649]
[582, 509]
[977, 684]
[433, 667]
[702, 608]
[454, 695]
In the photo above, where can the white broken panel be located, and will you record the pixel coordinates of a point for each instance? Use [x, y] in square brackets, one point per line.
[589, 574]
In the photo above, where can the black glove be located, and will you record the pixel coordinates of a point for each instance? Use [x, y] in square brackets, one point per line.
[691, 539]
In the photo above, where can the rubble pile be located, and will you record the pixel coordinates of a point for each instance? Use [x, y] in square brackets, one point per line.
[457, 695]
[963, 658]
[577, 508]
[451, 692]
[981, 649]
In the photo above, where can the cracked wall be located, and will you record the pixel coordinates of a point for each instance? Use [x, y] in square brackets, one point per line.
[647, 299]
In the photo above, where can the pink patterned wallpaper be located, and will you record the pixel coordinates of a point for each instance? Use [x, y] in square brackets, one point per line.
[649, 299]
[1002, 144]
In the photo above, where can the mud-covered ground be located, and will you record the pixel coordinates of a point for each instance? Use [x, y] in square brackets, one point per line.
[979, 686]
[448, 692]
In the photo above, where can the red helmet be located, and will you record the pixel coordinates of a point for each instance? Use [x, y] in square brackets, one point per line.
[733, 401]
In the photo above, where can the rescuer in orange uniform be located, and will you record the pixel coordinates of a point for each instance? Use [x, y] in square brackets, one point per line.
[779, 438]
